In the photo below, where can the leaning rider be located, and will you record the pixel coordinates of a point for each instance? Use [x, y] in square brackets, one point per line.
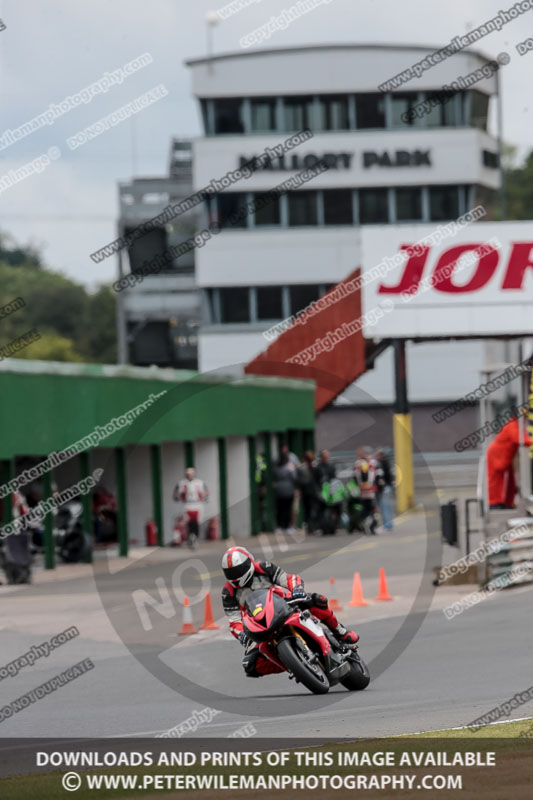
[243, 573]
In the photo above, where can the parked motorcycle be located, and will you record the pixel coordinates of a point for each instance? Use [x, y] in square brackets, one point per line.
[297, 643]
[330, 500]
[72, 543]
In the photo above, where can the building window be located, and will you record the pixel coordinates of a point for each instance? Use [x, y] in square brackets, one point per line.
[229, 115]
[409, 204]
[370, 110]
[333, 113]
[479, 109]
[263, 114]
[267, 208]
[491, 160]
[232, 212]
[234, 304]
[338, 207]
[302, 208]
[373, 206]
[297, 113]
[303, 295]
[443, 203]
[444, 112]
[269, 303]
[402, 104]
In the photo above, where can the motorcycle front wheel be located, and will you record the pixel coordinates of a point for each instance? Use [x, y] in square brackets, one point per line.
[74, 547]
[358, 677]
[309, 673]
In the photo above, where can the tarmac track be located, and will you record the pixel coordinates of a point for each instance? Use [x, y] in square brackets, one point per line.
[428, 672]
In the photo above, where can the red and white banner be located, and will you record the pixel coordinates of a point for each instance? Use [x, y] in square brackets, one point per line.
[431, 280]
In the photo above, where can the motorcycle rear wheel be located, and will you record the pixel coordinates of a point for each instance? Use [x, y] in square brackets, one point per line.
[329, 522]
[313, 676]
[358, 677]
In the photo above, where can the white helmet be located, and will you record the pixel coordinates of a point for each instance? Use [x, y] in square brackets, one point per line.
[238, 566]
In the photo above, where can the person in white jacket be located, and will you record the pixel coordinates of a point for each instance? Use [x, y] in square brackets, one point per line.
[193, 493]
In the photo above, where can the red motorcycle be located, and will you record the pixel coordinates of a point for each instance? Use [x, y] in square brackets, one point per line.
[297, 643]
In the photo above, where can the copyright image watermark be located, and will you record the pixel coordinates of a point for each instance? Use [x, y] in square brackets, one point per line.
[85, 95]
[517, 575]
[457, 44]
[41, 691]
[370, 318]
[525, 47]
[230, 9]
[116, 117]
[11, 307]
[444, 272]
[281, 21]
[490, 427]
[42, 509]
[18, 344]
[481, 552]
[326, 343]
[33, 167]
[162, 260]
[504, 709]
[173, 210]
[191, 724]
[37, 651]
[376, 272]
[448, 91]
[244, 732]
[483, 390]
[89, 440]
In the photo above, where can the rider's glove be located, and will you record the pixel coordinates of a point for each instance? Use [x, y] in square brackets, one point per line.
[298, 593]
[243, 639]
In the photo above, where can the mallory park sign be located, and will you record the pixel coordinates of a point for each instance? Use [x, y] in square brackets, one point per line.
[369, 159]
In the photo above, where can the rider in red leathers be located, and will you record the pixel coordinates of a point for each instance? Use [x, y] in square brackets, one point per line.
[243, 575]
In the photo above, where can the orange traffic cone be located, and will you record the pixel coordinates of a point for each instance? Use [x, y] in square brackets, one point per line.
[187, 626]
[333, 602]
[357, 592]
[209, 623]
[383, 593]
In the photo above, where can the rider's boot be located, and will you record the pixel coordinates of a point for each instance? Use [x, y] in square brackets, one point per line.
[344, 635]
[325, 614]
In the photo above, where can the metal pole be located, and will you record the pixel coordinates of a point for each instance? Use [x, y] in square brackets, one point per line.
[157, 503]
[403, 444]
[189, 454]
[223, 487]
[122, 501]
[86, 502]
[254, 488]
[503, 199]
[8, 474]
[49, 550]
[122, 334]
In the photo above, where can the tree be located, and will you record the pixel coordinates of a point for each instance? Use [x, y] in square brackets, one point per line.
[16, 256]
[73, 324]
[100, 330]
[518, 186]
[51, 347]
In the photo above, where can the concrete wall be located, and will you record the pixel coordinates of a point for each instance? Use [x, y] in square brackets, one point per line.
[139, 491]
[206, 463]
[104, 458]
[172, 471]
[348, 427]
[238, 486]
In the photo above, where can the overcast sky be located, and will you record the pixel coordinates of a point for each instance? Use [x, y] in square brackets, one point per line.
[53, 48]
